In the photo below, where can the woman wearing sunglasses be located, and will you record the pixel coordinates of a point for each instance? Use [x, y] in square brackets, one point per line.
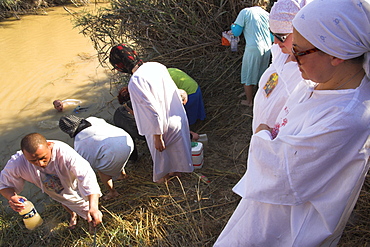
[283, 75]
[305, 172]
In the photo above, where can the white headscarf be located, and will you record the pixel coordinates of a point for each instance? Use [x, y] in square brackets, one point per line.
[340, 28]
[282, 14]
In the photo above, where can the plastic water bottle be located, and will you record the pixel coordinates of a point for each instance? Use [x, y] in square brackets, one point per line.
[233, 43]
[31, 217]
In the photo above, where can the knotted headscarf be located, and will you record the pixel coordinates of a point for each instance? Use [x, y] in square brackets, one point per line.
[72, 124]
[124, 59]
[282, 14]
[340, 28]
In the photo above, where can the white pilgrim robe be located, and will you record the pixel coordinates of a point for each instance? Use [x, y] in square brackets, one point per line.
[105, 146]
[301, 186]
[75, 181]
[158, 110]
[274, 88]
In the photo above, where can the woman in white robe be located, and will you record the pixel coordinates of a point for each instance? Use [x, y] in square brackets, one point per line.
[282, 76]
[159, 113]
[305, 173]
[106, 147]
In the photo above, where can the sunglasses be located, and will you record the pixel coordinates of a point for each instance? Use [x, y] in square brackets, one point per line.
[298, 54]
[280, 37]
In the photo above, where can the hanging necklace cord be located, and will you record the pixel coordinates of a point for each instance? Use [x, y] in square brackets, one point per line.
[348, 80]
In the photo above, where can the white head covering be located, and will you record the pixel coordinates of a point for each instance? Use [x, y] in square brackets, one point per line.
[282, 14]
[340, 28]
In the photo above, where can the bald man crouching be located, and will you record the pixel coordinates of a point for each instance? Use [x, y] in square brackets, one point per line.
[59, 171]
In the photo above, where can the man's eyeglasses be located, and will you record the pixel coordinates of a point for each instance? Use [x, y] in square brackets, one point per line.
[280, 37]
[298, 54]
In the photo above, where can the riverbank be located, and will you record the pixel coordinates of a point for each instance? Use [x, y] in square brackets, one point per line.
[17, 8]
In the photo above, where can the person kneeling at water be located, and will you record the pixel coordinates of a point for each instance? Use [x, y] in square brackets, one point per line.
[58, 171]
[106, 147]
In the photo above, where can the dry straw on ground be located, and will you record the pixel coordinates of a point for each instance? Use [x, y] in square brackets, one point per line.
[185, 212]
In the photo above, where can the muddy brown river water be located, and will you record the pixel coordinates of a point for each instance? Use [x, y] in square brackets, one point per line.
[44, 58]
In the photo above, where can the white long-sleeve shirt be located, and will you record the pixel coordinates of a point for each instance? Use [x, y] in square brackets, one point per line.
[68, 178]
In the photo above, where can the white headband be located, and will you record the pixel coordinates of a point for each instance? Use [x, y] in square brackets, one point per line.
[340, 28]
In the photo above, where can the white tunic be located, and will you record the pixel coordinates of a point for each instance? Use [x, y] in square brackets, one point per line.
[68, 178]
[300, 187]
[274, 88]
[71, 102]
[106, 147]
[158, 110]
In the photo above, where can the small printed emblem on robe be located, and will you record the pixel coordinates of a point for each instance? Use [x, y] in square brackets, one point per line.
[271, 84]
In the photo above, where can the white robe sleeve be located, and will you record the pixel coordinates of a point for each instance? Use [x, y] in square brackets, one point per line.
[71, 162]
[9, 176]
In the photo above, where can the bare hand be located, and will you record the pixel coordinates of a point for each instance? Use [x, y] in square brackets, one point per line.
[15, 204]
[159, 143]
[263, 127]
[94, 216]
[195, 135]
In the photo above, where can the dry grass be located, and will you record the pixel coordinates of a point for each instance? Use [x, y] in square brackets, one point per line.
[185, 212]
